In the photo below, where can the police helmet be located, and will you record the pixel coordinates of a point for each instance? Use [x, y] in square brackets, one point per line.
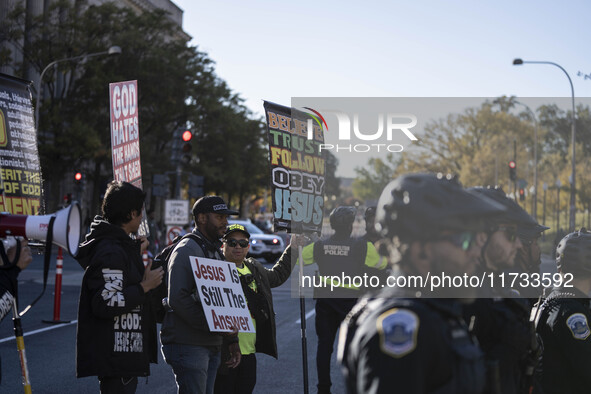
[342, 217]
[530, 231]
[513, 212]
[419, 206]
[573, 253]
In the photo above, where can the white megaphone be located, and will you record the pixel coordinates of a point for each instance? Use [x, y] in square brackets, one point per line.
[66, 227]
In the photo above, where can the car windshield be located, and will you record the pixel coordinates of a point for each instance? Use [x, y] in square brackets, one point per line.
[251, 228]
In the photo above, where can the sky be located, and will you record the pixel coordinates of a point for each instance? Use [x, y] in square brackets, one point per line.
[276, 50]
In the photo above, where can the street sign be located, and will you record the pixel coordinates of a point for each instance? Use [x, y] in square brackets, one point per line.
[176, 212]
[172, 232]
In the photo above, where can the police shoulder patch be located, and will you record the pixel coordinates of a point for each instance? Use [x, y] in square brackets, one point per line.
[398, 330]
[578, 326]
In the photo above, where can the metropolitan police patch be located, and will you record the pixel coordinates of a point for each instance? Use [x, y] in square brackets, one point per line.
[398, 330]
[578, 326]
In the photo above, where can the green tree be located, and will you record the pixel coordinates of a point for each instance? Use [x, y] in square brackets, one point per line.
[177, 88]
[371, 180]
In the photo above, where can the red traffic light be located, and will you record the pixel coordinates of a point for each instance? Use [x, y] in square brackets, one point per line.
[78, 176]
[512, 164]
[187, 135]
[521, 192]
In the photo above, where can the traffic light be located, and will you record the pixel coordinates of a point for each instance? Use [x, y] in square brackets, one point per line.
[78, 178]
[187, 146]
[521, 194]
[513, 170]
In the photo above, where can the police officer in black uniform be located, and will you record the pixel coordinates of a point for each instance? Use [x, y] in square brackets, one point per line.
[563, 320]
[529, 257]
[499, 317]
[337, 256]
[403, 340]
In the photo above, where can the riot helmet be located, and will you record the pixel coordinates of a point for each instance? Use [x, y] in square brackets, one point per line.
[513, 212]
[342, 218]
[419, 206]
[573, 253]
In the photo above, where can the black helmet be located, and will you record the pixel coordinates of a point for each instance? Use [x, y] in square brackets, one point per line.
[342, 217]
[418, 206]
[513, 212]
[370, 213]
[573, 253]
[531, 231]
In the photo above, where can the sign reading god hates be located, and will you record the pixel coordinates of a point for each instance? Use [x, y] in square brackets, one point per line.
[220, 292]
[20, 170]
[125, 138]
[297, 169]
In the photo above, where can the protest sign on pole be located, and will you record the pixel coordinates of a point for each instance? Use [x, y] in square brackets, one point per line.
[297, 169]
[221, 295]
[125, 138]
[20, 174]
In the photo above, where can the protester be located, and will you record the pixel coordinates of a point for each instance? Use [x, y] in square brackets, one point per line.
[337, 256]
[116, 336]
[500, 317]
[191, 349]
[257, 282]
[400, 340]
[12, 262]
[562, 320]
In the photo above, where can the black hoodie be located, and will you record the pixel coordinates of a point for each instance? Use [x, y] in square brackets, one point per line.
[116, 333]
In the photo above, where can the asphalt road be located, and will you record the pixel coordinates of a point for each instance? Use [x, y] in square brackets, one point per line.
[50, 348]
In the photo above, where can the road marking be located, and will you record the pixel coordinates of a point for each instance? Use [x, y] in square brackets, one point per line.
[39, 331]
[308, 315]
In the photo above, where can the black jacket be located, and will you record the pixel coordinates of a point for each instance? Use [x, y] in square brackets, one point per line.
[266, 279]
[8, 289]
[563, 324]
[116, 333]
[413, 346]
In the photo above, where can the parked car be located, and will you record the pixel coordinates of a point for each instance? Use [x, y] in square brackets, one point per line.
[267, 246]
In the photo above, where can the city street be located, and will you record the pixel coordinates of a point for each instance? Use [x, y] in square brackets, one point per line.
[50, 348]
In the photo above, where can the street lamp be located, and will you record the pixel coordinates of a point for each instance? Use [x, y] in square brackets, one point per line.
[571, 224]
[114, 50]
[535, 200]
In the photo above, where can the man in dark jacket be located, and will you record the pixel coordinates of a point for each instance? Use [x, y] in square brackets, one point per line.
[191, 349]
[257, 282]
[116, 336]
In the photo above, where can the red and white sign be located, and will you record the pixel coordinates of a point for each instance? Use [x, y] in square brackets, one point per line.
[221, 295]
[172, 232]
[125, 132]
[125, 138]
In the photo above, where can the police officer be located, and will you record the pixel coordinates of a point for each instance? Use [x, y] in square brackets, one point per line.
[563, 320]
[529, 257]
[500, 317]
[338, 256]
[400, 340]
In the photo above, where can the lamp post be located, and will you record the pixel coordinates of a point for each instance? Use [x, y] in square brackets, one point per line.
[545, 186]
[114, 50]
[558, 186]
[535, 199]
[571, 225]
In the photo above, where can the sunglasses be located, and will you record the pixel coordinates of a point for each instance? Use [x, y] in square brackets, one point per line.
[510, 232]
[234, 242]
[461, 240]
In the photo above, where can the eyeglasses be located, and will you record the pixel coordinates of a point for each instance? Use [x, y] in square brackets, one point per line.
[461, 240]
[234, 242]
[510, 232]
